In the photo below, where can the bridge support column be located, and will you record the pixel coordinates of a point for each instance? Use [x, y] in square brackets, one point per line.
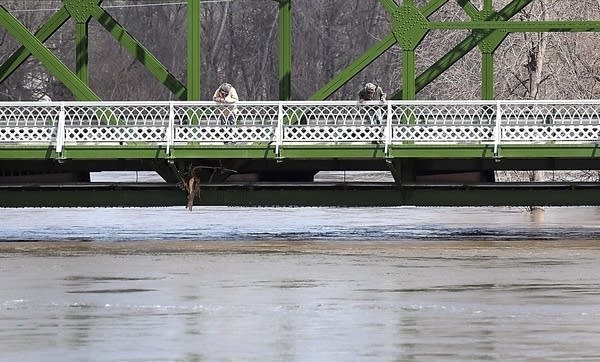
[402, 170]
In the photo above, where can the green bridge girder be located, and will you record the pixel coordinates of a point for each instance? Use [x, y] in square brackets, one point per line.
[351, 152]
[405, 162]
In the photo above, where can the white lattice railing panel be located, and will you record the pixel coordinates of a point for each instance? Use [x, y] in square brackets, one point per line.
[29, 114]
[223, 134]
[446, 114]
[117, 115]
[559, 133]
[263, 115]
[551, 113]
[44, 135]
[332, 134]
[498, 122]
[443, 134]
[115, 134]
[331, 114]
[216, 114]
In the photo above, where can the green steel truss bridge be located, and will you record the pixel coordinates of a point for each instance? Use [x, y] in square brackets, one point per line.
[439, 153]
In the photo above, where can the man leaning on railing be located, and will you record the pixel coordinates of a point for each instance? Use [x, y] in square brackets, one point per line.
[226, 94]
[371, 92]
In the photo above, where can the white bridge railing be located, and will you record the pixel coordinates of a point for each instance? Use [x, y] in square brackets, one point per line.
[393, 122]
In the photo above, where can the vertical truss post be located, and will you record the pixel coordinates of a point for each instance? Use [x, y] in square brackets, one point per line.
[497, 128]
[409, 26]
[279, 131]
[487, 76]
[171, 129]
[285, 50]
[193, 50]
[488, 47]
[79, 11]
[388, 130]
[60, 129]
[408, 74]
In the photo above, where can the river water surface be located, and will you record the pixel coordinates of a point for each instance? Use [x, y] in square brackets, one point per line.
[300, 284]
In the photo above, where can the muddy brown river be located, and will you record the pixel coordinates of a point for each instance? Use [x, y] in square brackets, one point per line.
[316, 284]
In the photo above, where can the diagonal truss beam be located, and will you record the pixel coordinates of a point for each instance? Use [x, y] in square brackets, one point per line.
[389, 5]
[139, 52]
[44, 32]
[469, 8]
[361, 63]
[432, 7]
[353, 69]
[80, 90]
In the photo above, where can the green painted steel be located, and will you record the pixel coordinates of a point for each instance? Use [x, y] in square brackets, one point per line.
[353, 69]
[389, 5]
[194, 59]
[80, 9]
[115, 196]
[487, 45]
[521, 26]
[432, 6]
[408, 74]
[463, 48]
[409, 26]
[350, 152]
[341, 194]
[487, 76]
[44, 32]
[45, 56]
[139, 52]
[81, 56]
[469, 8]
[285, 50]
[29, 153]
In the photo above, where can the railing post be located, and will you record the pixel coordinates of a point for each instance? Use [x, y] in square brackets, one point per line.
[60, 129]
[279, 130]
[388, 130]
[171, 128]
[497, 128]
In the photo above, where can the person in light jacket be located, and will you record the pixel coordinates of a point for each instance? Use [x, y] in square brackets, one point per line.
[226, 94]
[373, 92]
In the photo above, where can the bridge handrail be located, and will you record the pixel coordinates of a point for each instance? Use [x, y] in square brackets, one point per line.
[283, 122]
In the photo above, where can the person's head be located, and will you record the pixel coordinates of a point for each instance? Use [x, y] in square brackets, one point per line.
[370, 88]
[225, 88]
